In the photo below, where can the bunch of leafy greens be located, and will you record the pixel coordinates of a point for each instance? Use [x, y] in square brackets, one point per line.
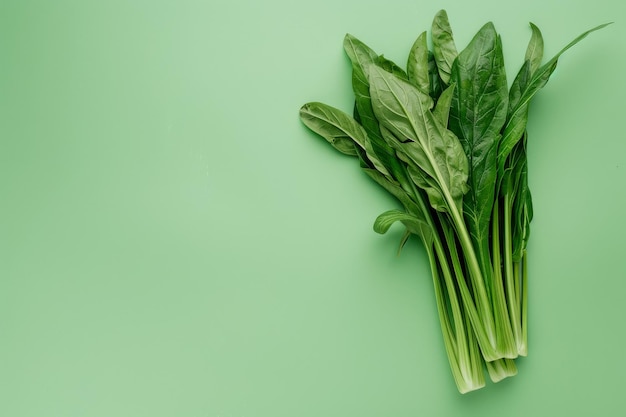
[447, 137]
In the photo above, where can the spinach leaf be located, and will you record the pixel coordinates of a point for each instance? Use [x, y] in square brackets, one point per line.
[362, 56]
[477, 114]
[444, 49]
[417, 65]
[521, 204]
[442, 108]
[517, 118]
[405, 111]
[534, 50]
[435, 81]
[339, 129]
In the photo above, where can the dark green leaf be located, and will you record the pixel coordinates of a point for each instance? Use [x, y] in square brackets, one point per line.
[363, 56]
[442, 108]
[417, 65]
[534, 51]
[521, 215]
[517, 118]
[444, 49]
[519, 85]
[436, 84]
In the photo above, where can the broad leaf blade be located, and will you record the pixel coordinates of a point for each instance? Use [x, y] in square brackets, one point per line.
[442, 108]
[444, 48]
[405, 111]
[339, 129]
[435, 82]
[361, 57]
[519, 86]
[534, 51]
[417, 65]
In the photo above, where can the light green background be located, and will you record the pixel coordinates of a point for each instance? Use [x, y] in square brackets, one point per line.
[173, 242]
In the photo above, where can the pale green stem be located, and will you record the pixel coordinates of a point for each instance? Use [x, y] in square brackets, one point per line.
[504, 306]
[482, 300]
[524, 346]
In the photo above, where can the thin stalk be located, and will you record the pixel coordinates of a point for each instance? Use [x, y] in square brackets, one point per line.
[475, 273]
[468, 353]
[446, 328]
[482, 331]
[476, 358]
[459, 328]
[507, 345]
[524, 346]
[512, 284]
[517, 267]
[488, 351]
[467, 375]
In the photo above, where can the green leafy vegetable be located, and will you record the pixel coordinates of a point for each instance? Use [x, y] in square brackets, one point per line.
[444, 48]
[447, 138]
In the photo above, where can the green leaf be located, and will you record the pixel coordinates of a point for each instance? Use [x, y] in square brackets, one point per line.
[442, 108]
[363, 56]
[478, 112]
[339, 129]
[522, 201]
[534, 51]
[517, 118]
[532, 61]
[417, 65]
[405, 112]
[444, 49]
[534, 55]
[391, 67]
[436, 84]
[413, 224]
[519, 85]
[436, 198]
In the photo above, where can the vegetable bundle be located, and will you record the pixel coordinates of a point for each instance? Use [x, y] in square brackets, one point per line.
[447, 138]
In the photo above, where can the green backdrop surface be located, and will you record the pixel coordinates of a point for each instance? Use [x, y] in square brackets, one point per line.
[173, 241]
